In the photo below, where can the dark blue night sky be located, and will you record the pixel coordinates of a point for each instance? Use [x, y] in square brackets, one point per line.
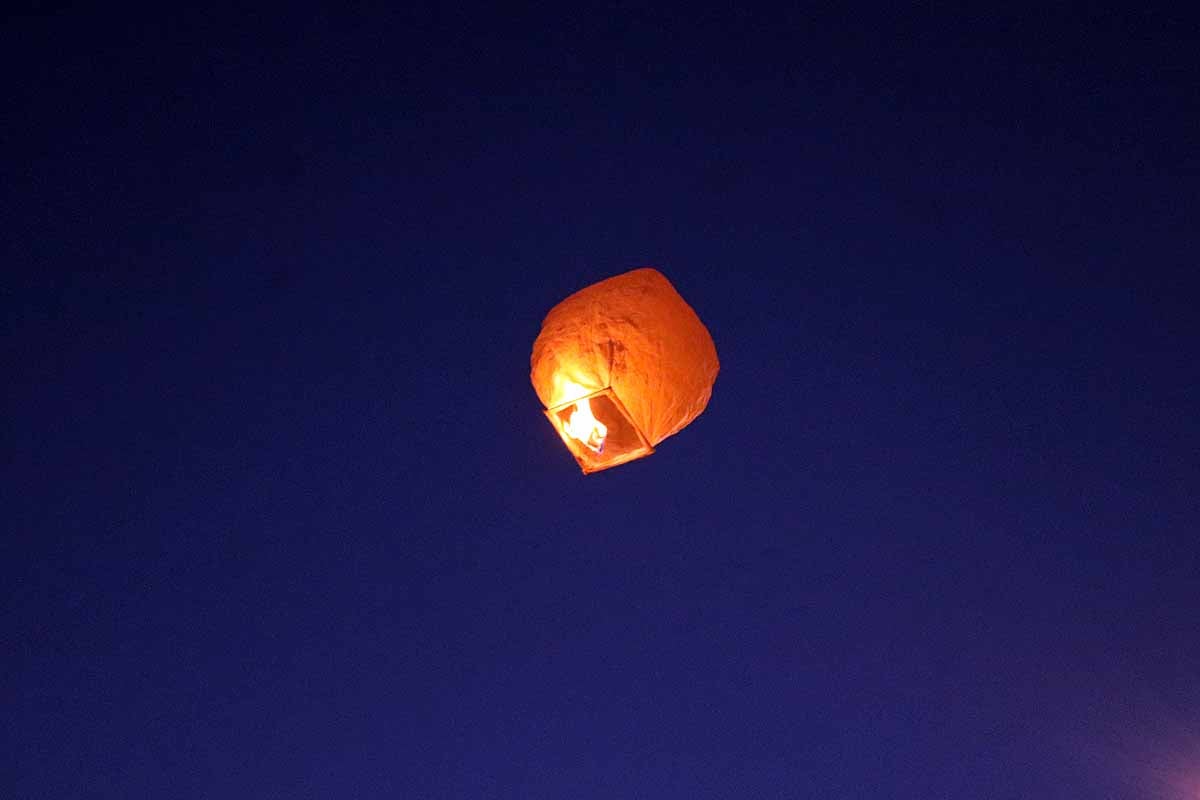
[283, 517]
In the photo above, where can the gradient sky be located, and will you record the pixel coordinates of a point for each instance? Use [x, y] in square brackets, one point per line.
[283, 517]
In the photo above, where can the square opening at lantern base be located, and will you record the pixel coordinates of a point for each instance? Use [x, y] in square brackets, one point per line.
[598, 431]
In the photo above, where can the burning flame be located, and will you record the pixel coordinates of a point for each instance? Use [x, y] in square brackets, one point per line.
[585, 428]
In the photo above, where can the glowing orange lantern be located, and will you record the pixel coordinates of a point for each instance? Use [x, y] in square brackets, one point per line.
[622, 365]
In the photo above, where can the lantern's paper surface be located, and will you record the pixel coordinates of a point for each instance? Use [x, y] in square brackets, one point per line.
[628, 351]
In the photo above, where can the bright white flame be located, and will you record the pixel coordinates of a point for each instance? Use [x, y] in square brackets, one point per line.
[584, 427]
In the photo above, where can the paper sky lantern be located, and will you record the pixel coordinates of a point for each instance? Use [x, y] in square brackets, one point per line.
[622, 365]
